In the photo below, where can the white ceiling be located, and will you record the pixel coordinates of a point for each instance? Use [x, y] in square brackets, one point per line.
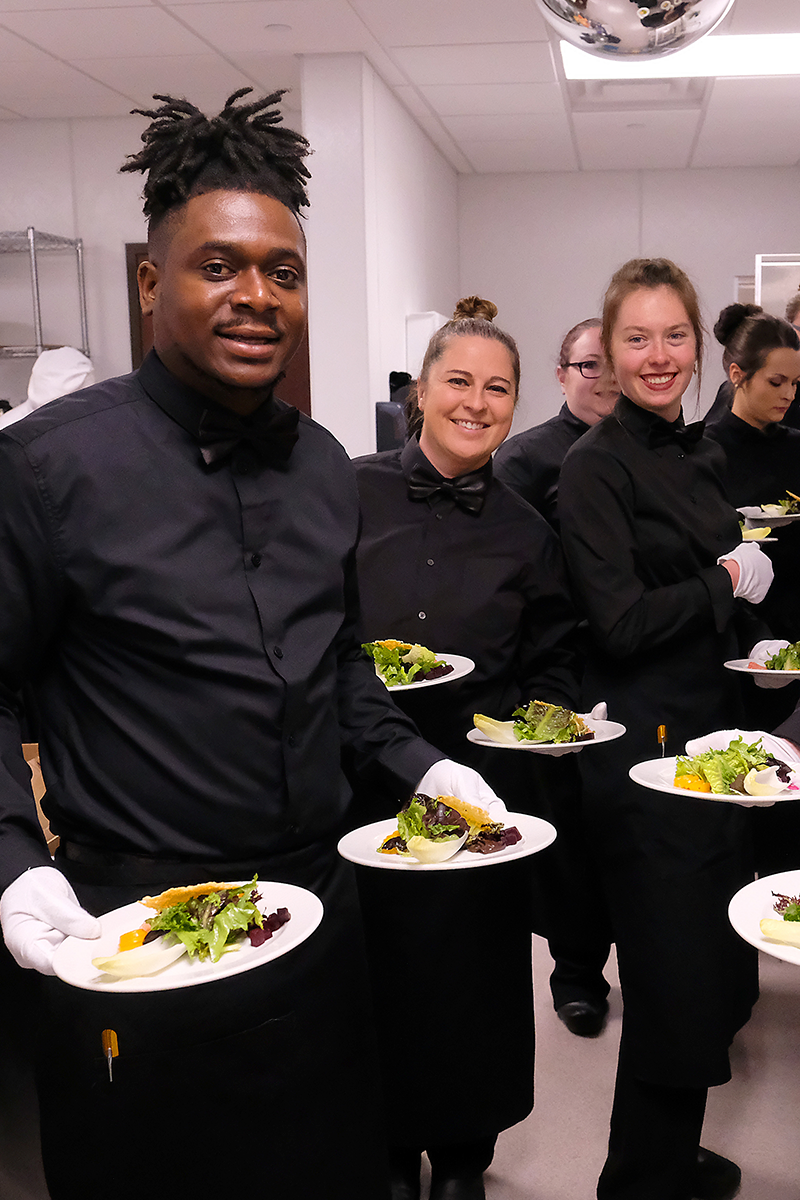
[483, 79]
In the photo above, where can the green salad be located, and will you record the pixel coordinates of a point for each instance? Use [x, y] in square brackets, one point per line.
[787, 659]
[723, 771]
[207, 924]
[400, 663]
[536, 722]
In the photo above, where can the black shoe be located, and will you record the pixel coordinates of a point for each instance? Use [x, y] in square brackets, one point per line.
[586, 1018]
[716, 1178]
[470, 1188]
[404, 1173]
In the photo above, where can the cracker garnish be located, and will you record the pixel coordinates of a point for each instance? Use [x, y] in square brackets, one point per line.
[178, 895]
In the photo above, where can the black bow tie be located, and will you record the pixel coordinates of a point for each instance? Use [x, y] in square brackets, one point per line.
[468, 491]
[271, 433]
[686, 436]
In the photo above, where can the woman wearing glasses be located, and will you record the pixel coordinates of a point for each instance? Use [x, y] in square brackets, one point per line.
[530, 463]
[654, 551]
[453, 559]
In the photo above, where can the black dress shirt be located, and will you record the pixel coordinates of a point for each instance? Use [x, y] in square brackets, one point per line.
[530, 463]
[490, 586]
[760, 465]
[189, 631]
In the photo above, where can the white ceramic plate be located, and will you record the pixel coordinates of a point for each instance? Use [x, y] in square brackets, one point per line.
[658, 774]
[759, 519]
[73, 958]
[743, 664]
[754, 902]
[604, 731]
[361, 846]
[459, 662]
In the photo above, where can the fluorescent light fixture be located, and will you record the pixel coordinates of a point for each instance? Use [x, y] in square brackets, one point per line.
[718, 55]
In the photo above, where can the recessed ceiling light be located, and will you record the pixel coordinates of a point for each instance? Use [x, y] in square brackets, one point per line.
[718, 55]
[277, 28]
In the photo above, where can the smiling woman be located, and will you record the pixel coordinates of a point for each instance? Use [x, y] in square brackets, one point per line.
[649, 538]
[451, 557]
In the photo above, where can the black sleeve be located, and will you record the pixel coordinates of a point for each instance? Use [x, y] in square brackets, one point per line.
[30, 614]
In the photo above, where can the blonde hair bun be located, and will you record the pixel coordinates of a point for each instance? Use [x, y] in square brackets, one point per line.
[475, 308]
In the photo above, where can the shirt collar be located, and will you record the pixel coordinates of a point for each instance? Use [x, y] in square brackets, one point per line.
[749, 432]
[182, 403]
[650, 428]
[569, 418]
[411, 456]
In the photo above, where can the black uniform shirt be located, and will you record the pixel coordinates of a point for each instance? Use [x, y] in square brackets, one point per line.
[530, 462]
[643, 521]
[490, 586]
[760, 465]
[190, 633]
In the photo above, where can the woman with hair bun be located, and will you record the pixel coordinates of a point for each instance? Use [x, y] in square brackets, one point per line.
[762, 360]
[453, 559]
[654, 551]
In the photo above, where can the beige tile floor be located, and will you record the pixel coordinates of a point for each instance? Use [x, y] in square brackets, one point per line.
[557, 1153]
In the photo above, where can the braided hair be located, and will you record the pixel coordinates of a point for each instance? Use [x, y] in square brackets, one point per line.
[243, 148]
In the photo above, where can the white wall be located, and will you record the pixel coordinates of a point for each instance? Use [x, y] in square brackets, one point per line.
[543, 247]
[62, 177]
[382, 234]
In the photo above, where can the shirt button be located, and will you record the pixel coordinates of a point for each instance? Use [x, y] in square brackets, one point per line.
[256, 560]
[430, 562]
[693, 499]
[278, 652]
[681, 456]
[439, 517]
[421, 616]
[291, 739]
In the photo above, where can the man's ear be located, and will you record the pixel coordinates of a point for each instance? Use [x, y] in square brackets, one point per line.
[147, 278]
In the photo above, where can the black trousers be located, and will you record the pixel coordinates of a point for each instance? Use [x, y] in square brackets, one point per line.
[654, 1138]
[263, 1082]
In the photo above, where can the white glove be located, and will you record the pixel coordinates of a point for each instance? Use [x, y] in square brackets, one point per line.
[755, 571]
[448, 778]
[598, 713]
[759, 654]
[38, 911]
[751, 512]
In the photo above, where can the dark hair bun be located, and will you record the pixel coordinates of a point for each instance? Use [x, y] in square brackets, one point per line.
[475, 307]
[731, 318]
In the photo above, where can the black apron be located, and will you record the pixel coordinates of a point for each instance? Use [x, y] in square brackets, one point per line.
[261, 1081]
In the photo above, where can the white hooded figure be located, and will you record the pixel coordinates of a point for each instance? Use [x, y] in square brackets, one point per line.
[55, 373]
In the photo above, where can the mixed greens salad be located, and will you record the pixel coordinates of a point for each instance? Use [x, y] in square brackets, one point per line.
[204, 926]
[787, 507]
[536, 722]
[732, 771]
[399, 663]
[207, 925]
[433, 829]
[787, 659]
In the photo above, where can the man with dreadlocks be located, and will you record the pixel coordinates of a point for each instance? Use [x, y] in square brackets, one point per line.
[177, 555]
